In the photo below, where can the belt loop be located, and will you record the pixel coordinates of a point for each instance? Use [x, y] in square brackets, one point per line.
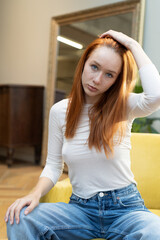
[114, 197]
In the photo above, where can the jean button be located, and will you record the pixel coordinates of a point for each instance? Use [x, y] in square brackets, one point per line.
[101, 194]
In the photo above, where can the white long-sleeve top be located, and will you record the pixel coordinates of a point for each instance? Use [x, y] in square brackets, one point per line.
[90, 171]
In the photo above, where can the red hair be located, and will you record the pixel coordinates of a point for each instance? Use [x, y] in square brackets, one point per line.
[108, 114]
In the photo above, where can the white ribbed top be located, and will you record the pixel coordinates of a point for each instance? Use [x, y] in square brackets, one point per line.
[90, 171]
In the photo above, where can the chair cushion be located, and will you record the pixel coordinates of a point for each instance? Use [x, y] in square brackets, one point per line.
[145, 165]
[61, 192]
[155, 211]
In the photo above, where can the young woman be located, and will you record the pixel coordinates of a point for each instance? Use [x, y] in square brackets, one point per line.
[91, 132]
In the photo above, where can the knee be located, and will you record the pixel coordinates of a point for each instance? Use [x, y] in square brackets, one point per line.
[152, 231]
[14, 229]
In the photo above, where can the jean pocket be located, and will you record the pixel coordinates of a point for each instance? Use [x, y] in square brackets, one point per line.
[132, 200]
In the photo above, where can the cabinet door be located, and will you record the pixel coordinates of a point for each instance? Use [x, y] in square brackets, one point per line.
[4, 112]
[20, 115]
[23, 114]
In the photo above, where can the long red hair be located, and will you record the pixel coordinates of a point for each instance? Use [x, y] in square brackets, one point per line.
[108, 114]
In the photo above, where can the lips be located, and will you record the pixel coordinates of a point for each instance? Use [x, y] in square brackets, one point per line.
[91, 88]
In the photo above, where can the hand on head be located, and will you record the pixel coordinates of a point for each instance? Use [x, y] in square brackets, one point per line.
[119, 37]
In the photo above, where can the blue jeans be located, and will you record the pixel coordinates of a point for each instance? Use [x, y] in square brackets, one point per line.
[115, 215]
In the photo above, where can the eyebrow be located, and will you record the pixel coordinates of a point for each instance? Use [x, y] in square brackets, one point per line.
[107, 69]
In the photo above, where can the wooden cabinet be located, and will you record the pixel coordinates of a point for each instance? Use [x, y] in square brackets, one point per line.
[21, 118]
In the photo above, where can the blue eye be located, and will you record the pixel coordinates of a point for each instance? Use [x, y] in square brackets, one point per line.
[109, 75]
[94, 67]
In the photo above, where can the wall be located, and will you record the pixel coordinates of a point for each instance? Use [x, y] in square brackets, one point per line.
[151, 41]
[152, 31]
[25, 34]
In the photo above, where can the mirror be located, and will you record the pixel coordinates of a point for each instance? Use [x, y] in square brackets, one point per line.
[83, 27]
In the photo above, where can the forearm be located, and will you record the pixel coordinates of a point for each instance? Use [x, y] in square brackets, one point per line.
[149, 75]
[138, 53]
[43, 186]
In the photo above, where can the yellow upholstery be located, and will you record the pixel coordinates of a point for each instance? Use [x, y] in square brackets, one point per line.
[145, 164]
[145, 160]
[61, 192]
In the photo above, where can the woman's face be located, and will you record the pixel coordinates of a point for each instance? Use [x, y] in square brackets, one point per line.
[100, 72]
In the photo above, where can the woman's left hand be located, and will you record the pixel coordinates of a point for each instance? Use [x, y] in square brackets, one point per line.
[139, 55]
[121, 38]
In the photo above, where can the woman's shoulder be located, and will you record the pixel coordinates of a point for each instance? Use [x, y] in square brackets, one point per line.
[60, 107]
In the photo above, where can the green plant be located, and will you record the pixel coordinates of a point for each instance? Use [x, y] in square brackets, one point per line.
[144, 125]
[138, 89]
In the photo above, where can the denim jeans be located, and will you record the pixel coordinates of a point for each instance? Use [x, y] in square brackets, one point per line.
[115, 215]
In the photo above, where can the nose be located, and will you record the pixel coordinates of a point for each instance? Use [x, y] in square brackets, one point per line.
[98, 78]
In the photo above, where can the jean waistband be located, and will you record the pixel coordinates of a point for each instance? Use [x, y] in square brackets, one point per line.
[112, 193]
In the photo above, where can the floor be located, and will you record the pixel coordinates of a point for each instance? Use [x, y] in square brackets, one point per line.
[15, 182]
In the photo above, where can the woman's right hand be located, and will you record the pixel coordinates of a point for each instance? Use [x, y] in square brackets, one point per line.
[31, 200]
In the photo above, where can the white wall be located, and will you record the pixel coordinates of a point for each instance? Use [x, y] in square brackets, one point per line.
[151, 43]
[152, 31]
[25, 30]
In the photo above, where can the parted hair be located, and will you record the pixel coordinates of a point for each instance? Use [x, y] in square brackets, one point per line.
[108, 114]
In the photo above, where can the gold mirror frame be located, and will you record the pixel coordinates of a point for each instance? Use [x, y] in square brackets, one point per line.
[136, 7]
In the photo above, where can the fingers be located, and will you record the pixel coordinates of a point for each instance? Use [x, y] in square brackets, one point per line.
[120, 37]
[16, 207]
[109, 33]
[17, 210]
[31, 207]
[9, 210]
[12, 213]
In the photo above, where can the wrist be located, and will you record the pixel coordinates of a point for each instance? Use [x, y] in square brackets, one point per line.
[134, 46]
[36, 193]
[139, 55]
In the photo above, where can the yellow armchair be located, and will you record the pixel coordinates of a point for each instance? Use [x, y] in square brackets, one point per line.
[145, 164]
[61, 192]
